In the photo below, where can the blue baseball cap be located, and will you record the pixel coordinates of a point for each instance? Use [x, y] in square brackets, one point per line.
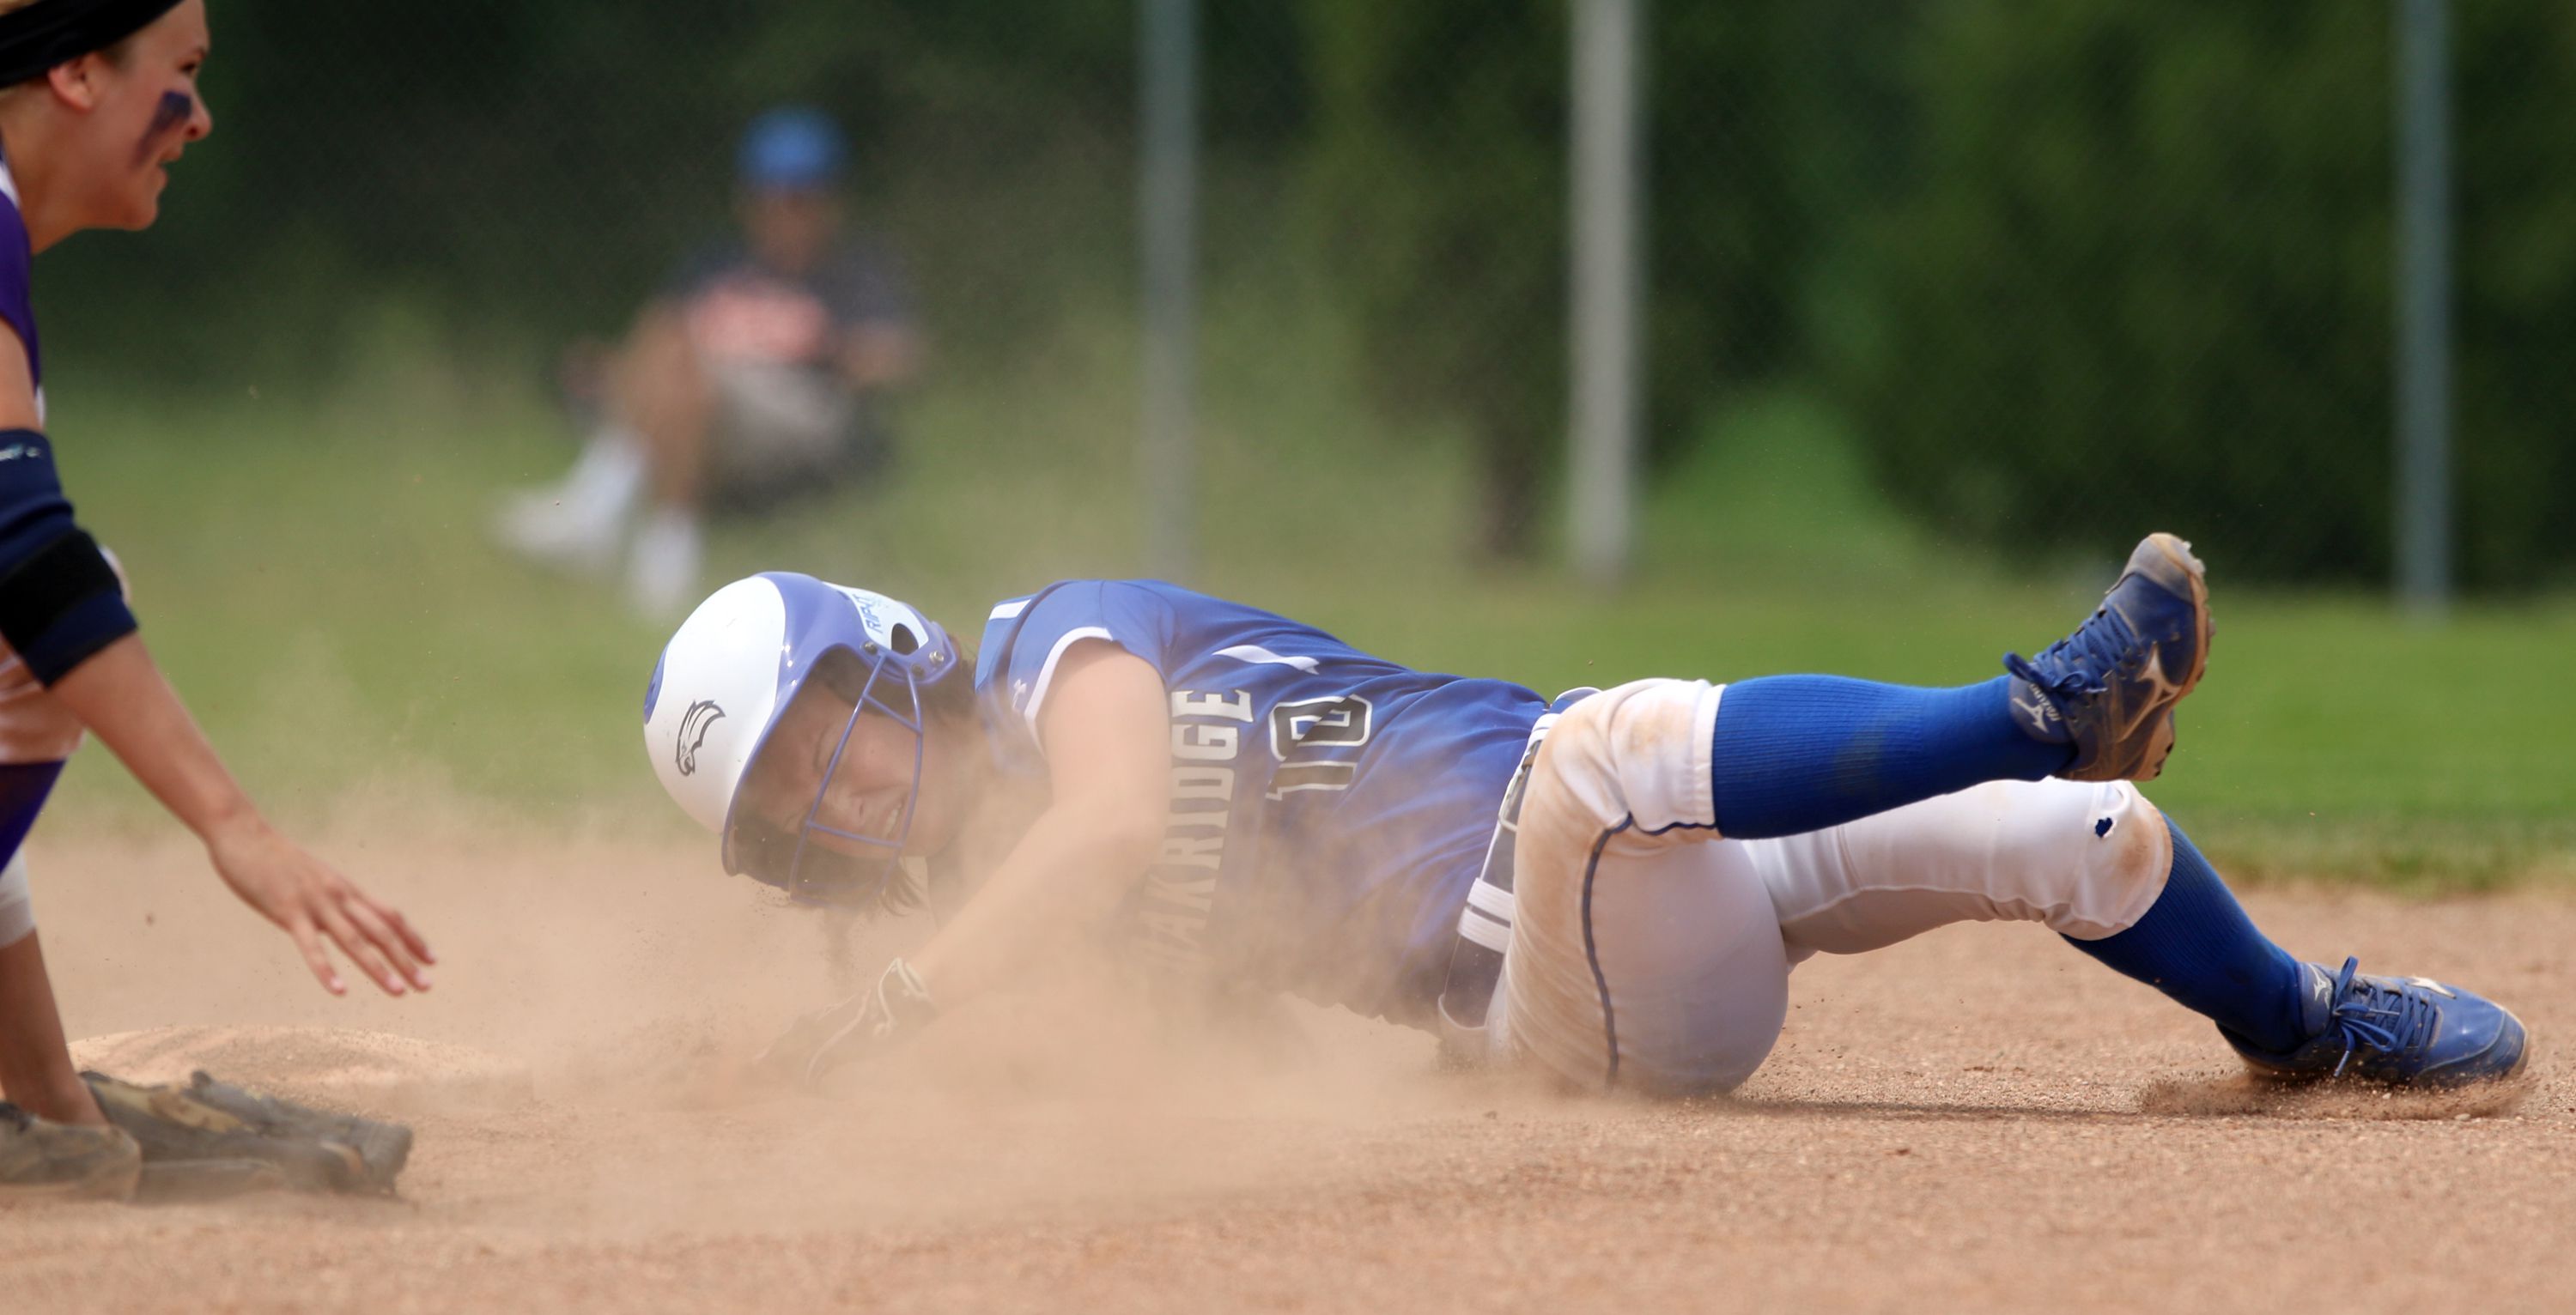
[793, 146]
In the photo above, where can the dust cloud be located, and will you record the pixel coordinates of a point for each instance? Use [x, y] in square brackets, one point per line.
[1978, 1119]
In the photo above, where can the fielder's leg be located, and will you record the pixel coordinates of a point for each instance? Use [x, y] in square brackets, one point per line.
[53, 1139]
[36, 1072]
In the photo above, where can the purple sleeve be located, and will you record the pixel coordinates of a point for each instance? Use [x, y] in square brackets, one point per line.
[60, 598]
[17, 282]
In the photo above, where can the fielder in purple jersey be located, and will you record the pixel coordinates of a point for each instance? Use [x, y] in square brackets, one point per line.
[97, 99]
[1611, 887]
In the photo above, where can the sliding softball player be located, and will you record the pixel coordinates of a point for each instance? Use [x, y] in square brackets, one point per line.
[1612, 886]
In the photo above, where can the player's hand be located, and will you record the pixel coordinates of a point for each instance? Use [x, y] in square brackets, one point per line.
[310, 901]
[815, 1044]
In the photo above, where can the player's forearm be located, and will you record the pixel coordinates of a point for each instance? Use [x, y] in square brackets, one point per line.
[124, 700]
[1065, 874]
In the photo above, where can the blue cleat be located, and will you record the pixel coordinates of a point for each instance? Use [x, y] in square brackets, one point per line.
[2402, 1031]
[2110, 688]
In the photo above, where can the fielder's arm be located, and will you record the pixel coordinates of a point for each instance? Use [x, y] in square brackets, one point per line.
[124, 700]
[62, 609]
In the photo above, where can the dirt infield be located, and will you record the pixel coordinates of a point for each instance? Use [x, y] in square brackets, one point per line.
[1979, 1120]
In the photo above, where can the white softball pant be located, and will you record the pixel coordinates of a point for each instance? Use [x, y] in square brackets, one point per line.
[1649, 952]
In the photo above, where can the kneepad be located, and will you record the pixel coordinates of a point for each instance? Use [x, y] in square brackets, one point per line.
[17, 907]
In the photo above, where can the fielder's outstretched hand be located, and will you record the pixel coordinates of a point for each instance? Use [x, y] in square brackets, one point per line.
[121, 696]
[303, 895]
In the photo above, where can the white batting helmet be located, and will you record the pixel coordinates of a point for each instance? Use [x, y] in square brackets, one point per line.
[732, 668]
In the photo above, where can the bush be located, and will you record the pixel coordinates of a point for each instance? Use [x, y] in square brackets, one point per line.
[1438, 172]
[2146, 280]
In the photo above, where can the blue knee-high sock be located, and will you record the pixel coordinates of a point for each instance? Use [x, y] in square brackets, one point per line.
[2196, 945]
[1801, 753]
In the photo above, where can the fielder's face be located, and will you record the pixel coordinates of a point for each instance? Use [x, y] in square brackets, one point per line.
[141, 109]
[869, 788]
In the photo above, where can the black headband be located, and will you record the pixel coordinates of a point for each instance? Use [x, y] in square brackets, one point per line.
[51, 32]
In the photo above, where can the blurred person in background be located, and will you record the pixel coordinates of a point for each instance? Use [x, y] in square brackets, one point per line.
[755, 374]
[97, 99]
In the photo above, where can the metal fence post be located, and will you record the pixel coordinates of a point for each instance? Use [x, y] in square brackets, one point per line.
[1604, 267]
[1167, 208]
[2423, 260]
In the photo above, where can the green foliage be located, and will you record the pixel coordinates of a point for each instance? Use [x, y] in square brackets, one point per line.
[525, 171]
[2145, 278]
[2069, 268]
[1438, 180]
[1437, 188]
[1773, 132]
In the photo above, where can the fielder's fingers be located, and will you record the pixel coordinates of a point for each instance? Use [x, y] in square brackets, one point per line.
[360, 951]
[371, 923]
[412, 940]
[310, 946]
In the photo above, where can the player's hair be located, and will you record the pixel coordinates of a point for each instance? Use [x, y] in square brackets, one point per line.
[114, 54]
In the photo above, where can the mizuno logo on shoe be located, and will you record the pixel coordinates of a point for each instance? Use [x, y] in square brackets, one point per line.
[2161, 688]
[2038, 716]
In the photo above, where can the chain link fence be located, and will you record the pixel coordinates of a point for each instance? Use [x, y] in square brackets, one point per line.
[2036, 277]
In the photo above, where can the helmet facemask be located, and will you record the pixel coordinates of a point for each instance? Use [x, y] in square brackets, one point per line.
[787, 656]
[806, 862]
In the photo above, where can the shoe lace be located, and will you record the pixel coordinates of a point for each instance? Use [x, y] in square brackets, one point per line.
[2370, 1016]
[2081, 659]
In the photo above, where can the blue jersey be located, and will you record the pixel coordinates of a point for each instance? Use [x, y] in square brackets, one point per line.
[1329, 809]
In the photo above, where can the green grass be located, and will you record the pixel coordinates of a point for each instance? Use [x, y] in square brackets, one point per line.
[311, 570]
